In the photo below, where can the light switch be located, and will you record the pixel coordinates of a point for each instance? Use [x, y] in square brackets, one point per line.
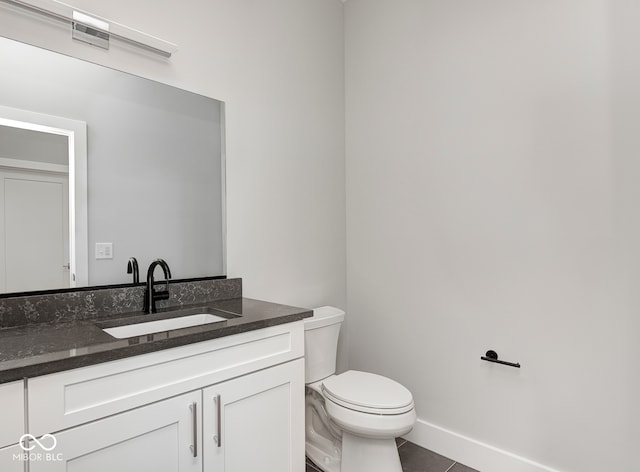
[104, 250]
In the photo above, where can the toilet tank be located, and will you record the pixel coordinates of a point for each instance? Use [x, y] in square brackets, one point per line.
[321, 342]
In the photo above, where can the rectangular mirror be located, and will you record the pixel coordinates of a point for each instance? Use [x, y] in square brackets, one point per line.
[146, 180]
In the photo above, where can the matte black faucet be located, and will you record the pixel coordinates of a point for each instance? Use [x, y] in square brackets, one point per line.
[132, 268]
[150, 294]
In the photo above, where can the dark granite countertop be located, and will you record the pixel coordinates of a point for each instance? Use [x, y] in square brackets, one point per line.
[44, 348]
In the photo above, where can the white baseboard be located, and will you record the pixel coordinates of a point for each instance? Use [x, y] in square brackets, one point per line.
[471, 452]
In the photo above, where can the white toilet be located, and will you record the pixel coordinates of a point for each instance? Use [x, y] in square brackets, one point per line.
[352, 419]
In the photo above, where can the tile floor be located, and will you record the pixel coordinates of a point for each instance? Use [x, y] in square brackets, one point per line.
[418, 459]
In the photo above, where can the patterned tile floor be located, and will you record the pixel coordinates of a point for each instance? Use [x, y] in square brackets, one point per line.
[418, 459]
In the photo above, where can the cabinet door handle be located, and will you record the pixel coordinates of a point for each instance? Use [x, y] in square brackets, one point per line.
[194, 411]
[218, 437]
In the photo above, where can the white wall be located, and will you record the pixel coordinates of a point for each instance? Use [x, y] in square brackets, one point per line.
[278, 66]
[28, 145]
[492, 202]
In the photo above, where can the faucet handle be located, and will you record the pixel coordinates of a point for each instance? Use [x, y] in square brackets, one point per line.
[132, 268]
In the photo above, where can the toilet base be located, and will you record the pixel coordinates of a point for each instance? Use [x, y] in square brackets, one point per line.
[369, 455]
[323, 443]
[322, 460]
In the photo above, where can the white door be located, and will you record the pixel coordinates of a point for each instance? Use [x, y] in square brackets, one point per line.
[256, 422]
[161, 437]
[35, 229]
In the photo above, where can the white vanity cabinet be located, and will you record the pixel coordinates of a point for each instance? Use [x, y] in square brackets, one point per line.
[12, 417]
[154, 412]
[11, 426]
[253, 422]
[10, 459]
[161, 437]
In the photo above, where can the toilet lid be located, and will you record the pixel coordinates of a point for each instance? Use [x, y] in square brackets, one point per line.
[363, 391]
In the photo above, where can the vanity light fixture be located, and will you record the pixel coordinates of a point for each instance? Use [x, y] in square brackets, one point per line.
[92, 29]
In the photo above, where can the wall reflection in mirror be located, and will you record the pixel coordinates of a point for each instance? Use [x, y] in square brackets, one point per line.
[90, 155]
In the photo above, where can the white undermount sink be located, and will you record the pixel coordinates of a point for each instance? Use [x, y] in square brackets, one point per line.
[158, 326]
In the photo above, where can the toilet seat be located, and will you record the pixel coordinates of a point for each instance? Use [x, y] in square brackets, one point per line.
[368, 393]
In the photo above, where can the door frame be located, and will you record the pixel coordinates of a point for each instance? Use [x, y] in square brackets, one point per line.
[76, 132]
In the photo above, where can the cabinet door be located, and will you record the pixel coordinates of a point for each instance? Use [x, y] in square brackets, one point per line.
[12, 415]
[256, 422]
[161, 437]
[12, 459]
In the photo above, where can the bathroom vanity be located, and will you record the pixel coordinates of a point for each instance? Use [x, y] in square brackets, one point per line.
[79, 389]
[222, 396]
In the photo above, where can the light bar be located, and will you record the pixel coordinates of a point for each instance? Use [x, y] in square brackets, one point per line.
[93, 29]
